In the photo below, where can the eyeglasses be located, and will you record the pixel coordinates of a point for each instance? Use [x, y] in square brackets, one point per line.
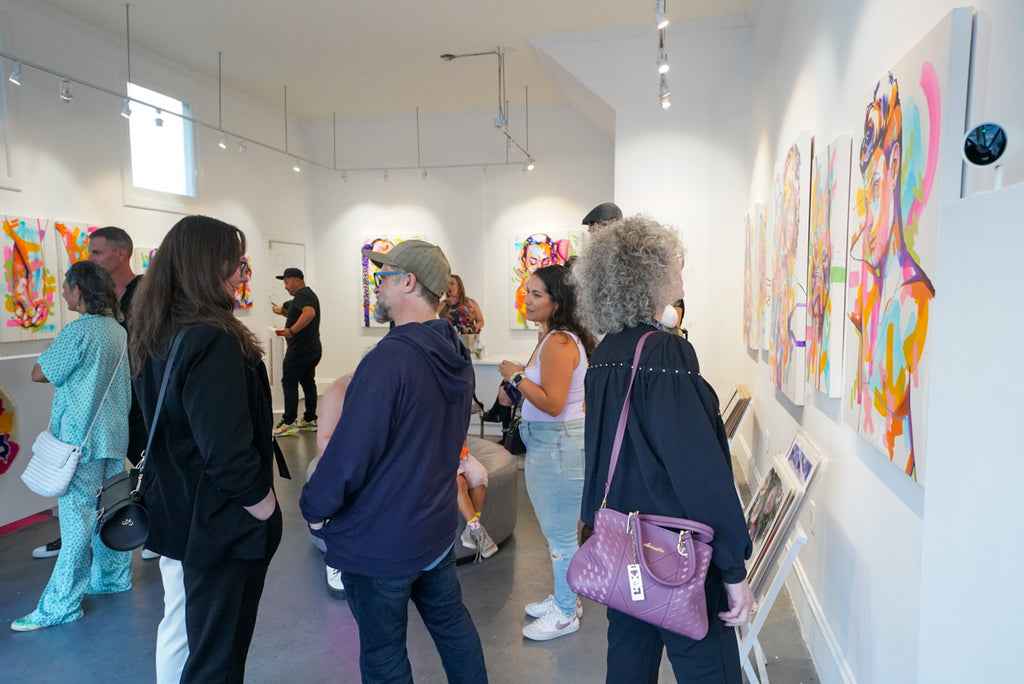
[379, 276]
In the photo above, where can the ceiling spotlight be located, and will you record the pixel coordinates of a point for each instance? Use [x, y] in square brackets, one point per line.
[447, 57]
[295, 167]
[664, 93]
[241, 147]
[387, 177]
[663, 63]
[424, 174]
[158, 121]
[65, 91]
[127, 111]
[223, 144]
[15, 76]
[531, 165]
[660, 20]
[344, 176]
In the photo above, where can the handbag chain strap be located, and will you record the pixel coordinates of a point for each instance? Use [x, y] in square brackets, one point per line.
[160, 401]
[621, 430]
[110, 384]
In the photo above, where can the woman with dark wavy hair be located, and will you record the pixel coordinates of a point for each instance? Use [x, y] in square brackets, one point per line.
[674, 457]
[86, 358]
[208, 479]
[552, 430]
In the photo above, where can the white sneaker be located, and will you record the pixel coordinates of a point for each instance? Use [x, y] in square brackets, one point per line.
[149, 555]
[553, 624]
[467, 538]
[539, 609]
[485, 546]
[335, 587]
[47, 550]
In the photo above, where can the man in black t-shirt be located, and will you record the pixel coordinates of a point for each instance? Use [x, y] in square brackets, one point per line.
[302, 330]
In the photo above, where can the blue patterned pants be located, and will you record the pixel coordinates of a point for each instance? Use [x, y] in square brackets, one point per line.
[85, 565]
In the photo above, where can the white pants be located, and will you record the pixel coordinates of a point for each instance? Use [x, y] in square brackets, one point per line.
[171, 635]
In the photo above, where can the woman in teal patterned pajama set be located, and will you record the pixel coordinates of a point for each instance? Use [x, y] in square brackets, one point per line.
[80, 364]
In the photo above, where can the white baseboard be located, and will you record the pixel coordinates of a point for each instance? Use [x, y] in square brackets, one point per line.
[830, 662]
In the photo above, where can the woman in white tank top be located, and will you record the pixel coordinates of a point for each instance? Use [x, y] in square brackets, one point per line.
[552, 430]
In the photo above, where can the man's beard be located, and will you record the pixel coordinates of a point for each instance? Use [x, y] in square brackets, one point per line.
[381, 313]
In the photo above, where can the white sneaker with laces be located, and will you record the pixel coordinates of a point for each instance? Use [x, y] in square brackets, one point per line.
[467, 538]
[553, 624]
[539, 609]
[484, 544]
[335, 587]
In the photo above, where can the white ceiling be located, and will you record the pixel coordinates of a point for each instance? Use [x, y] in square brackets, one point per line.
[364, 57]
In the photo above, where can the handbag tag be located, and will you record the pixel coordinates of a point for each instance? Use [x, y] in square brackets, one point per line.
[636, 582]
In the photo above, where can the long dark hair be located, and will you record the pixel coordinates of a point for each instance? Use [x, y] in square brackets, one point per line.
[184, 284]
[96, 288]
[563, 294]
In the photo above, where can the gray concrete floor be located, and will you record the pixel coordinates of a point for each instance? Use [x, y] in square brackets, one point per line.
[303, 635]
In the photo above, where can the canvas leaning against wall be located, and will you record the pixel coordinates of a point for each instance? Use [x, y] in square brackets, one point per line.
[789, 268]
[30, 284]
[526, 255]
[907, 163]
[752, 281]
[826, 269]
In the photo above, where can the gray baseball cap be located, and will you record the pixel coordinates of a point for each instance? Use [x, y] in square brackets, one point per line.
[425, 261]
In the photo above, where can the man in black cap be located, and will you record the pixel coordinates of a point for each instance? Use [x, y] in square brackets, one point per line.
[302, 330]
[602, 214]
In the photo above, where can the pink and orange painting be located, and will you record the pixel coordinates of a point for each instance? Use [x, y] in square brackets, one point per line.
[906, 163]
[30, 286]
[826, 269]
[788, 333]
[381, 244]
[243, 293]
[529, 253]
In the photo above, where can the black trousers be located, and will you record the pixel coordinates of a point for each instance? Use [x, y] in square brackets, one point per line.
[220, 614]
[299, 368]
[635, 647]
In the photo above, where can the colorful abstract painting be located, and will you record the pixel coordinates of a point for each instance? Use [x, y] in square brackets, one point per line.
[243, 294]
[145, 255]
[527, 254]
[30, 287]
[826, 268]
[72, 247]
[380, 244]
[907, 163]
[751, 281]
[789, 269]
[9, 446]
[764, 310]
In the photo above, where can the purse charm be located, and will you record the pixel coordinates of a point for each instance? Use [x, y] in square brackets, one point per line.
[636, 580]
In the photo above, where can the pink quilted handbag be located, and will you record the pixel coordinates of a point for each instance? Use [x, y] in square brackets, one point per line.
[651, 567]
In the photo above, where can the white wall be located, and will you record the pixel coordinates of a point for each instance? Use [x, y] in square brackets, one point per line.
[468, 213]
[741, 92]
[69, 160]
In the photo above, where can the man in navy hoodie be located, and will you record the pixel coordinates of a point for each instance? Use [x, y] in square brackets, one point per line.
[384, 497]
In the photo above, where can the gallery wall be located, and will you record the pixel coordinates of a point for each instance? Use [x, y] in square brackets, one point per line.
[68, 161]
[471, 212]
[746, 91]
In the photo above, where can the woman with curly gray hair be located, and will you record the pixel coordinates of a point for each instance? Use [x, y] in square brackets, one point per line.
[674, 458]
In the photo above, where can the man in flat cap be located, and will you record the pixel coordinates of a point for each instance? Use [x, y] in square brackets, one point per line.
[302, 331]
[383, 496]
[602, 214]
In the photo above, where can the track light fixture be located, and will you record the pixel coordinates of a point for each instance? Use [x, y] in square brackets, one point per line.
[663, 63]
[158, 121]
[126, 112]
[387, 176]
[295, 167]
[223, 144]
[241, 147]
[64, 91]
[660, 20]
[15, 76]
[664, 93]
[424, 174]
[531, 165]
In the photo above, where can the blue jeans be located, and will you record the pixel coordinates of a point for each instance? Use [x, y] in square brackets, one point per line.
[380, 606]
[554, 480]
